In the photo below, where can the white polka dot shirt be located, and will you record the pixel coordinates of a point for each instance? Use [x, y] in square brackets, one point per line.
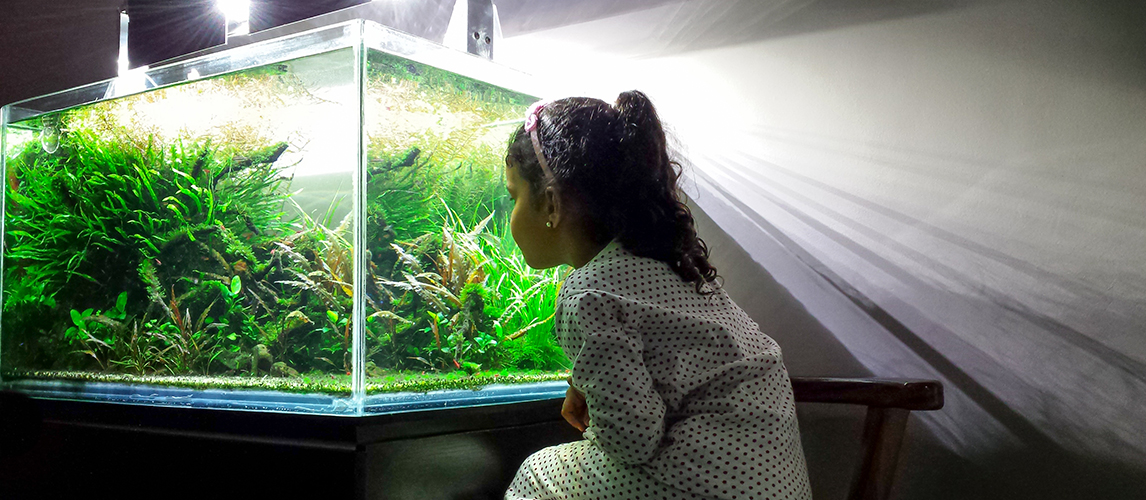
[682, 384]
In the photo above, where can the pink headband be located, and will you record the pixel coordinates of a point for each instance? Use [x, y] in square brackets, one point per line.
[532, 119]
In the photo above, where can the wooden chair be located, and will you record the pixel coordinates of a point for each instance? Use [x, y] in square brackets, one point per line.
[889, 402]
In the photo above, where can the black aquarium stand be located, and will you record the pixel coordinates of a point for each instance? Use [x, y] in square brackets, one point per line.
[75, 449]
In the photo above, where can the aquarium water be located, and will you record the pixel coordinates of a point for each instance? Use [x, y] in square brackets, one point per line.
[315, 223]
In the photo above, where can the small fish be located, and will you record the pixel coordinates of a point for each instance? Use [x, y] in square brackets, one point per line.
[390, 315]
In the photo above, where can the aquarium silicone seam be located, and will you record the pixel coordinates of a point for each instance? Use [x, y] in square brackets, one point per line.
[358, 383]
[3, 213]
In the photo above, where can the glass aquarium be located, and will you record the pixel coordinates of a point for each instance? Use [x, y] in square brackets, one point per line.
[316, 223]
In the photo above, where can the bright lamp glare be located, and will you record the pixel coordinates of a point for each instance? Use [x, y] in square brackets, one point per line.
[130, 82]
[123, 63]
[237, 11]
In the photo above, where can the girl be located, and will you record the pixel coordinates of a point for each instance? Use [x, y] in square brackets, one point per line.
[677, 392]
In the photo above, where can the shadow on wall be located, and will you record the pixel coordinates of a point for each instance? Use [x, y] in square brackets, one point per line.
[809, 348]
[1036, 468]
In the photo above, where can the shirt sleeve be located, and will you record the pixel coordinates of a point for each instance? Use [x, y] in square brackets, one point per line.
[626, 415]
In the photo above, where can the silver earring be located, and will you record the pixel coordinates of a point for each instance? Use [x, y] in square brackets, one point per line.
[548, 224]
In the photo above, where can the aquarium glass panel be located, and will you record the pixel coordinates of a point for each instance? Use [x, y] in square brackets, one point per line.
[174, 236]
[450, 301]
[205, 234]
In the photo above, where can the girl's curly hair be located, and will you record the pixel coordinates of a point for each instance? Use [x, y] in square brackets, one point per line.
[614, 160]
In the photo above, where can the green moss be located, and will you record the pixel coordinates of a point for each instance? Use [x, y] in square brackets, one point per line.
[335, 385]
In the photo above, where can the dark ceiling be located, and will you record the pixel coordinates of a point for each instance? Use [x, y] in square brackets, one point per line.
[52, 45]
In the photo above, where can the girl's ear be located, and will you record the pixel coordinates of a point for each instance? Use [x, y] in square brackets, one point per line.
[551, 206]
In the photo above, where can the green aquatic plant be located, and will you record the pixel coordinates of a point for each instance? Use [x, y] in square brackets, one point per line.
[400, 205]
[525, 298]
[427, 285]
[467, 301]
[412, 192]
[100, 214]
[438, 228]
[137, 254]
[186, 337]
[136, 353]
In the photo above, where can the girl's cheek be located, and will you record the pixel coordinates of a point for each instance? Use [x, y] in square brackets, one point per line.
[513, 225]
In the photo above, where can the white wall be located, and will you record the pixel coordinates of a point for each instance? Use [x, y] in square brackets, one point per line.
[975, 170]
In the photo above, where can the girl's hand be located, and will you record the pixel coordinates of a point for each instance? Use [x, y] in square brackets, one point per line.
[575, 411]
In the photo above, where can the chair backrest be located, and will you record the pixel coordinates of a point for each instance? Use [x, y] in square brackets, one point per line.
[888, 402]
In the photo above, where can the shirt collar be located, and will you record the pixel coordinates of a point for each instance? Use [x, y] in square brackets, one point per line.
[614, 247]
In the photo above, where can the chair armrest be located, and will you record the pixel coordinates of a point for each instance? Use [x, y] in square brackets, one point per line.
[907, 394]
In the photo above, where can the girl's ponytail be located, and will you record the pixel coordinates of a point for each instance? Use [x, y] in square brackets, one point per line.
[660, 225]
[643, 137]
